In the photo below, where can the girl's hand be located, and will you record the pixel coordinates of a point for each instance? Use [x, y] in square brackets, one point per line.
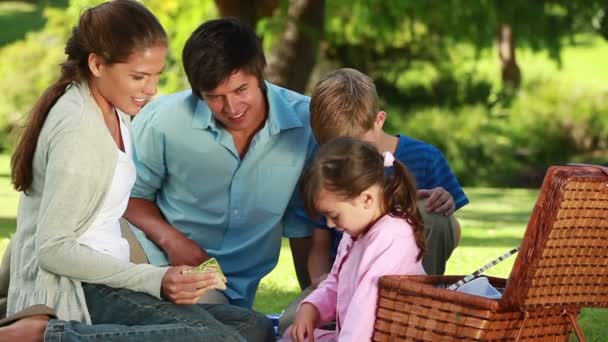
[305, 323]
[182, 288]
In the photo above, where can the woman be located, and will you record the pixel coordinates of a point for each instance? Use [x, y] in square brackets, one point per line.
[73, 166]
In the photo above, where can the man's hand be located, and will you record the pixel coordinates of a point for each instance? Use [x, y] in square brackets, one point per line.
[438, 200]
[183, 251]
[181, 288]
[305, 323]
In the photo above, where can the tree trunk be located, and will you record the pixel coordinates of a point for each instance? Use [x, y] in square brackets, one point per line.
[511, 74]
[294, 57]
[247, 11]
[295, 54]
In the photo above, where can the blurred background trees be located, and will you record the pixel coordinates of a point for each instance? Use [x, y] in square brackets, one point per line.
[502, 88]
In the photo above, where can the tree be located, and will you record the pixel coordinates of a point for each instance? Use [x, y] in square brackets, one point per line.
[510, 72]
[301, 25]
[249, 12]
[384, 38]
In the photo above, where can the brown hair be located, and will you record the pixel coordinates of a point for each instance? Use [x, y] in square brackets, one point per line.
[347, 166]
[217, 49]
[343, 103]
[113, 31]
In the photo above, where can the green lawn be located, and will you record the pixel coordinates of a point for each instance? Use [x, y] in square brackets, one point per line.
[493, 223]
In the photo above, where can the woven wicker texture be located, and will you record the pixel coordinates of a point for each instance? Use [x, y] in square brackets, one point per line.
[562, 266]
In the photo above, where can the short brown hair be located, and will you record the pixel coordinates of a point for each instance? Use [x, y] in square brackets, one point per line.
[343, 103]
[219, 48]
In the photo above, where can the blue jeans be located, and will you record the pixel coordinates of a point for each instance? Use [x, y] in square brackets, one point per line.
[125, 315]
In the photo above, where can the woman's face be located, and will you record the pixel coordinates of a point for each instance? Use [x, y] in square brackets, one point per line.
[128, 85]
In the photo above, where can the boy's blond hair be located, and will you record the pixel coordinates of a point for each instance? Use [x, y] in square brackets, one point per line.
[343, 103]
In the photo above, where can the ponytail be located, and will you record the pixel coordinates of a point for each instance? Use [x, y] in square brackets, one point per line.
[112, 30]
[401, 200]
[23, 158]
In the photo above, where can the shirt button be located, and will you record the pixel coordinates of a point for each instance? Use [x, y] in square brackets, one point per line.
[235, 212]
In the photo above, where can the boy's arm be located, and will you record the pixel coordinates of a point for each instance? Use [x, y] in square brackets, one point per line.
[444, 193]
[300, 248]
[319, 261]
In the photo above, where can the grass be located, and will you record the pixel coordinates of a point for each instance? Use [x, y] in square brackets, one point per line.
[580, 61]
[493, 223]
[19, 17]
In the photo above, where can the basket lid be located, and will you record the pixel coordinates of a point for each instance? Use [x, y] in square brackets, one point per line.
[563, 260]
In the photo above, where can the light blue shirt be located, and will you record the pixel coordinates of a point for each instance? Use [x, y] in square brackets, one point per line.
[237, 210]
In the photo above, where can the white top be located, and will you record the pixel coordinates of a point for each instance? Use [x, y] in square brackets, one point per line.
[104, 234]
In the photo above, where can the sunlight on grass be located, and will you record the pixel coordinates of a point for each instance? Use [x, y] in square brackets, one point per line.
[11, 7]
[537, 64]
[280, 286]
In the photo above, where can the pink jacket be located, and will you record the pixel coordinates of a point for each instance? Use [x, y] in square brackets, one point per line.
[350, 292]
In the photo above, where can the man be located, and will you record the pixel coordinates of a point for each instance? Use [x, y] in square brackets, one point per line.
[217, 165]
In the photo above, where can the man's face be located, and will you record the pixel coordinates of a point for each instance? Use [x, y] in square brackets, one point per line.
[238, 103]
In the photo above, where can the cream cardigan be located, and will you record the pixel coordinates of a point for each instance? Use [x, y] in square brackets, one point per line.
[73, 167]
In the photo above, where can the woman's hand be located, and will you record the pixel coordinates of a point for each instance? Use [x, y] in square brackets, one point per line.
[305, 323]
[181, 288]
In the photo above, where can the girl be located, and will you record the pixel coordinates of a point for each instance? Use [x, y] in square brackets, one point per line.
[73, 166]
[347, 184]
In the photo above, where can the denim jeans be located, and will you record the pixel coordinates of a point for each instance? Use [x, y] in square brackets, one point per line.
[125, 315]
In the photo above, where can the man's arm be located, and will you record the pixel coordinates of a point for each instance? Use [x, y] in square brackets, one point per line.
[180, 250]
[300, 248]
[319, 261]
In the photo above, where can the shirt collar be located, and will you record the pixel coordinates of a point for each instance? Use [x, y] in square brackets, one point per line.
[281, 114]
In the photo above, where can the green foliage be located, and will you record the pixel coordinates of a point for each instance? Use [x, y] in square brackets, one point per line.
[18, 17]
[385, 39]
[180, 18]
[548, 123]
[30, 65]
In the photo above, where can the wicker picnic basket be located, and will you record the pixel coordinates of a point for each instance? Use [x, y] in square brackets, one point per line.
[561, 267]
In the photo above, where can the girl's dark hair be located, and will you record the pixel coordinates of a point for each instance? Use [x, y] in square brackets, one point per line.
[347, 166]
[217, 49]
[113, 31]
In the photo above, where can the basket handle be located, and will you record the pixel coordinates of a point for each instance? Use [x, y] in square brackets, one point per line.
[602, 169]
[577, 329]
